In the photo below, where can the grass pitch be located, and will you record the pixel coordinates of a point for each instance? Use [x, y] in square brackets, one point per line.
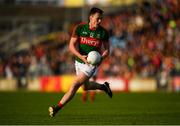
[29, 108]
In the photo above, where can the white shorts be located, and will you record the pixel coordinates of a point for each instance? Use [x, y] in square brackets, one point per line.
[89, 70]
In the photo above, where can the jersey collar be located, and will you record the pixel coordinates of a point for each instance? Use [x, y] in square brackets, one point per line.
[92, 29]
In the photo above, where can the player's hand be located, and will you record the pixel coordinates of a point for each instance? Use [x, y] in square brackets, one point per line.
[84, 59]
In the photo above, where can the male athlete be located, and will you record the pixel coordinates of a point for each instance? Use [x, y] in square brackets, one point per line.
[86, 37]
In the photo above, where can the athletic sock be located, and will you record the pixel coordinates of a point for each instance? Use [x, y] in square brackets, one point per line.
[60, 105]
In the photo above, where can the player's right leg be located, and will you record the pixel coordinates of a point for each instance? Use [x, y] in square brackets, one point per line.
[53, 110]
[80, 79]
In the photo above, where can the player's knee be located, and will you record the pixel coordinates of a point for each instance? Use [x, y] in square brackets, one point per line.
[76, 85]
[86, 86]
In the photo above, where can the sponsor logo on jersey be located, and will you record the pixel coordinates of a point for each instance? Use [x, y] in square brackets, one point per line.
[90, 41]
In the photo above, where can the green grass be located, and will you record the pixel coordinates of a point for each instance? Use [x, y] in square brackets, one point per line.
[125, 108]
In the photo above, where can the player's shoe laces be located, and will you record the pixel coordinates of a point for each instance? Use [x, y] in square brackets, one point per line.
[53, 110]
[107, 89]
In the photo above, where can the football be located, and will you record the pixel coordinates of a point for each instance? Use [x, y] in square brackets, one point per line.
[94, 57]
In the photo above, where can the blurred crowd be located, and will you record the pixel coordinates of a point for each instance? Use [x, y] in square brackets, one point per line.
[144, 38]
[145, 41]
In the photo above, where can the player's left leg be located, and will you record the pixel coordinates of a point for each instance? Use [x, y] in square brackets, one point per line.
[89, 85]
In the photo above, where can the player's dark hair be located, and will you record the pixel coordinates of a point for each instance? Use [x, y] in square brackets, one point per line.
[95, 10]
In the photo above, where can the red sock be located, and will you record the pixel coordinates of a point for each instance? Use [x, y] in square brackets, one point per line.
[60, 105]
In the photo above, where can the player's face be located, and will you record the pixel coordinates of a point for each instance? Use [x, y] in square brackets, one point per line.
[95, 19]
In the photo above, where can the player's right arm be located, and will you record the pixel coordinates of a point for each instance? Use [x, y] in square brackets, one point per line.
[73, 46]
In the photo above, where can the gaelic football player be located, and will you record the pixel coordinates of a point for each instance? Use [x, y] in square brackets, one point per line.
[86, 37]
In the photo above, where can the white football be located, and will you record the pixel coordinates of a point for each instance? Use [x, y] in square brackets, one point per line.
[94, 57]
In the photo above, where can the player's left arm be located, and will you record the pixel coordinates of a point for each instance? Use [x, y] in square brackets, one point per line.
[106, 49]
[106, 45]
